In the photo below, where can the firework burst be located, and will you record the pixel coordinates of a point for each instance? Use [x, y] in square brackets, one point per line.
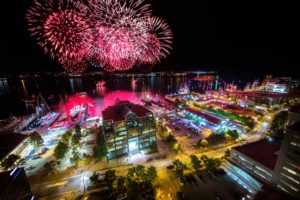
[112, 34]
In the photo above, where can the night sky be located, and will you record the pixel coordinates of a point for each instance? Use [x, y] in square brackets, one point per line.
[244, 37]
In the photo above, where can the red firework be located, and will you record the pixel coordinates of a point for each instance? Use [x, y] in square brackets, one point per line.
[112, 34]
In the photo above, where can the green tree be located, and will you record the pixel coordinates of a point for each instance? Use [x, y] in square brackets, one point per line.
[179, 167]
[77, 129]
[212, 164]
[66, 137]
[100, 149]
[60, 150]
[195, 162]
[227, 137]
[151, 174]
[204, 158]
[94, 178]
[233, 134]
[137, 173]
[278, 124]
[36, 139]
[121, 183]
[10, 161]
[76, 139]
[48, 167]
[110, 177]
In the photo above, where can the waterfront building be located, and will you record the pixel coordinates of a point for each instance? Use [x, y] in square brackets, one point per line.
[128, 128]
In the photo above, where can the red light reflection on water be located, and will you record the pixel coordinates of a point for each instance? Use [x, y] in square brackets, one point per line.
[97, 105]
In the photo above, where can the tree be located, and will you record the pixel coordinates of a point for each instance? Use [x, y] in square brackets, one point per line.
[76, 139]
[121, 183]
[48, 167]
[36, 139]
[212, 164]
[227, 137]
[179, 167]
[137, 173]
[100, 150]
[278, 124]
[60, 150]
[77, 129]
[66, 137]
[227, 153]
[110, 177]
[10, 161]
[233, 134]
[203, 158]
[203, 143]
[196, 163]
[151, 174]
[94, 178]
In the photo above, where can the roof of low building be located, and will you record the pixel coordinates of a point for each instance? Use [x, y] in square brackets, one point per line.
[119, 111]
[263, 152]
[10, 141]
[204, 115]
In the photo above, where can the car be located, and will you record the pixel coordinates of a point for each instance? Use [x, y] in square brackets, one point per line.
[36, 157]
[170, 167]
[181, 181]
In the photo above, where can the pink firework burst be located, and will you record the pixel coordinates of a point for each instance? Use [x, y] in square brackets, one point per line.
[60, 30]
[112, 34]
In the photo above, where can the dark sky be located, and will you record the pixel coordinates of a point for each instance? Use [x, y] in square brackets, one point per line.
[249, 37]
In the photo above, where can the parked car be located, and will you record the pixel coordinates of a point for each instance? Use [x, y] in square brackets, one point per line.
[170, 167]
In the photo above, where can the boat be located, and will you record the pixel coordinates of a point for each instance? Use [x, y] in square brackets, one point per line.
[100, 83]
[133, 81]
[74, 112]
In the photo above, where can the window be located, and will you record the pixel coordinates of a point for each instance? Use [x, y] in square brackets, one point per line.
[290, 178]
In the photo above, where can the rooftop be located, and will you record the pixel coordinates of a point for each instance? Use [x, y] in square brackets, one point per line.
[9, 142]
[263, 152]
[204, 115]
[8, 177]
[119, 111]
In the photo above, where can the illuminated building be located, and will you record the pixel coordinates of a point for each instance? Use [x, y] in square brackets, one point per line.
[288, 164]
[277, 164]
[14, 185]
[128, 128]
[275, 87]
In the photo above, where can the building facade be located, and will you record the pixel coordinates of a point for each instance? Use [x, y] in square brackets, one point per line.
[128, 129]
[273, 163]
[14, 185]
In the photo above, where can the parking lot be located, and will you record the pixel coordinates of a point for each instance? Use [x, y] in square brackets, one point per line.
[208, 186]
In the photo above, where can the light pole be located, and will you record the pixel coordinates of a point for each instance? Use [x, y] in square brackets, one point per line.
[83, 181]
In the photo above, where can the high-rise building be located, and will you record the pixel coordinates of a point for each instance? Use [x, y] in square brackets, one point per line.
[287, 171]
[14, 185]
[128, 128]
[272, 162]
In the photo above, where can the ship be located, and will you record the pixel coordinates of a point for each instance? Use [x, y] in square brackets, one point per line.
[100, 83]
[133, 81]
[74, 112]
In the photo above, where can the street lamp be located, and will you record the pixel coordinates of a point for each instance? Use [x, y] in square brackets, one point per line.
[83, 181]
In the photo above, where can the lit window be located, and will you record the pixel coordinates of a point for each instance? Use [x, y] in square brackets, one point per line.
[291, 178]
